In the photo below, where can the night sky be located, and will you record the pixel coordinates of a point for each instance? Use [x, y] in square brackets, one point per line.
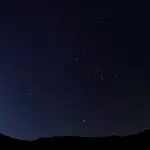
[77, 68]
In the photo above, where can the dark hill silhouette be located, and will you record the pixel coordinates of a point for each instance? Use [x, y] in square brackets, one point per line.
[71, 142]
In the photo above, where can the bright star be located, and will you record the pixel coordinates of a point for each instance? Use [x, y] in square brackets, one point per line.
[83, 121]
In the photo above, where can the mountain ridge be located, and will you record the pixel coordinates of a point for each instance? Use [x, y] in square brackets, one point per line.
[75, 142]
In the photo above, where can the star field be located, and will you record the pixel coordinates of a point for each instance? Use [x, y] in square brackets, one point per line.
[73, 68]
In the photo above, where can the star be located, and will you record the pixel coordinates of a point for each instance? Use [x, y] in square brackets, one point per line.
[114, 77]
[77, 58]
[102, 78]
[29, 93]
[83, 121]
[101, 17]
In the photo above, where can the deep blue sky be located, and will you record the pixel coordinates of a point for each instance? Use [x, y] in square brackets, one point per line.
[73, 68]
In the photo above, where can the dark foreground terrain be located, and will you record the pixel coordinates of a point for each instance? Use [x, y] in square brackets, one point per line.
[140, 140]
